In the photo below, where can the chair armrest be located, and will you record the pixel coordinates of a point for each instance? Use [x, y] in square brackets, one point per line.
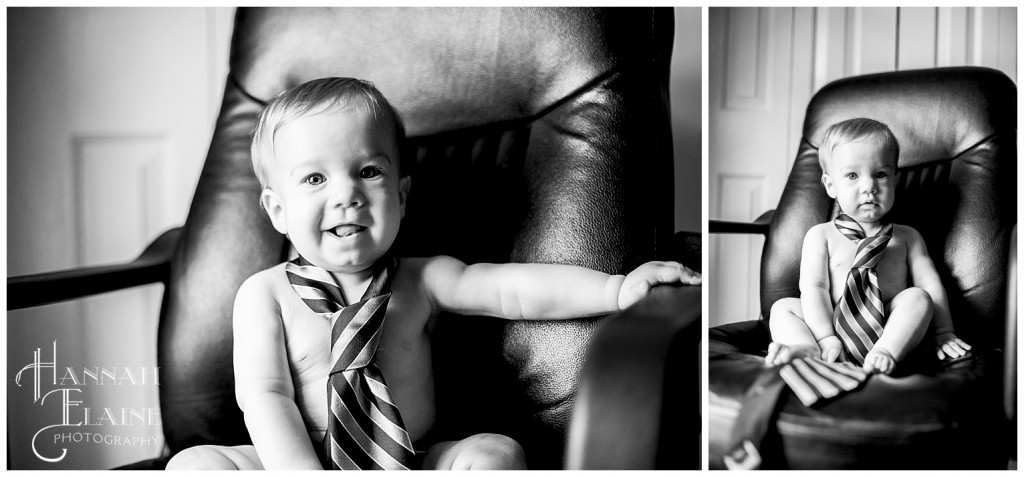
[153, 265]
[758, 226]
[1010, 351]
[638, 403]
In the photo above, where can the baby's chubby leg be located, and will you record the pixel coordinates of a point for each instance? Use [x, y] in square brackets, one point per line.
[910, 313]
[216, 458]
[791, 337]
[479, 452]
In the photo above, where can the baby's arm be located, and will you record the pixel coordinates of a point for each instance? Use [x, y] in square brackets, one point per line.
[815, 297]
[924, 276]
[263, 384]
[533, 291]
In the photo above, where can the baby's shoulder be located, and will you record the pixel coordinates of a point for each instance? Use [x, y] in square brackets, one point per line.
[819, 233]
[266, 280]
[900, 230]
[258, 302]
[265, 286]
[906, 235]
[820, 228]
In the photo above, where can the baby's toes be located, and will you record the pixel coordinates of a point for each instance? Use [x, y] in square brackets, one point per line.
[879, 362]
[773, 353]
[785, 355]
[884, 365]
[829, 355]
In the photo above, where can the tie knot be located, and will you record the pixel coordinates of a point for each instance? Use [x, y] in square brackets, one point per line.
[355, 328]
[850, 228]
[869, 249]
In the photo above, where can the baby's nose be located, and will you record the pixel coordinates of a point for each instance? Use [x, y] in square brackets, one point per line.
[347, 196]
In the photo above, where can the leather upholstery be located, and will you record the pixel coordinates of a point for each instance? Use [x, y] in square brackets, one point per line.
[540, 135]
[957, 185]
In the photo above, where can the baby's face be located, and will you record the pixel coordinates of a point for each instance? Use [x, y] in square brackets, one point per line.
[335, 188]
[862, 178]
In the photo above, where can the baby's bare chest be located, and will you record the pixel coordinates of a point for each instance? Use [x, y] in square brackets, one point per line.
[308, 335]
[893, 272]
[403, 357]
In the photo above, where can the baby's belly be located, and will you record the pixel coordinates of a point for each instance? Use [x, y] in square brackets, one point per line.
[891, 281]
[411, 388]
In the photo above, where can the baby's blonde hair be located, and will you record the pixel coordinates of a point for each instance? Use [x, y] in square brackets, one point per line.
[314, 97]
[854, 130]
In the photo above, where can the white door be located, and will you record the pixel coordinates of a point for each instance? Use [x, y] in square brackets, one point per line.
[750, 61]
[110, 113]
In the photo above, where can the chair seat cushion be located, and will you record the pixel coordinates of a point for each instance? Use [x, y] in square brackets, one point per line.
[946, 416]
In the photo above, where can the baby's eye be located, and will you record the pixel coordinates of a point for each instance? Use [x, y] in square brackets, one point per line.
[881, 175]
[851, 176]
[315, 179]
[369, 172]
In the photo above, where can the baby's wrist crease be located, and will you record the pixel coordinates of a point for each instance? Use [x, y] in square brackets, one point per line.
[612, 290]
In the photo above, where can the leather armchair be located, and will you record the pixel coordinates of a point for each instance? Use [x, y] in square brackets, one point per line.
[957, 185]
[540, 135]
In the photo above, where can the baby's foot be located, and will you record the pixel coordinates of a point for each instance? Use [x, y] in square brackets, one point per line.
[879, 360]
[831, 348]
[779, 353]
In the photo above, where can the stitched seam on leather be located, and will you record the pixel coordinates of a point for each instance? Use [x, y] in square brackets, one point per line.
[555, 406]
[973, 147]
[970, 148]
[589, 85]
[976, 145]
[234, 82]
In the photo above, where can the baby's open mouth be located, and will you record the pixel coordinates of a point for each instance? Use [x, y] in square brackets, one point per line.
[346, 230]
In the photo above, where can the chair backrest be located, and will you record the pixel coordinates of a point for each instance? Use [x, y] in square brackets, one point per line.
[540, 134]
[957, 186]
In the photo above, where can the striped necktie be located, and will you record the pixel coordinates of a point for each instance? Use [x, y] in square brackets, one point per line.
[364, 428]
[860, 316]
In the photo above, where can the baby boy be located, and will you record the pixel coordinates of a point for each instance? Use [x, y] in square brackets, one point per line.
[868, 289]
[320, 391]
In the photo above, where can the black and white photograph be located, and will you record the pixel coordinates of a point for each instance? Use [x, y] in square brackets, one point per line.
[354, 238]
[862, 202]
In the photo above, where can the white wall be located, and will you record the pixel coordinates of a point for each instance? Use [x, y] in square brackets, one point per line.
[764, 66]
[110, 113]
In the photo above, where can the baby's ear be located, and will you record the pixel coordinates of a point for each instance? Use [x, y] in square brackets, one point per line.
[404, 184]
[830, 188]
[272, 203]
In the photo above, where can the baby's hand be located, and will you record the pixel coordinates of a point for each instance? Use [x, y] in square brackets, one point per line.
[639, 282]
[830, 348]
[947, 344]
